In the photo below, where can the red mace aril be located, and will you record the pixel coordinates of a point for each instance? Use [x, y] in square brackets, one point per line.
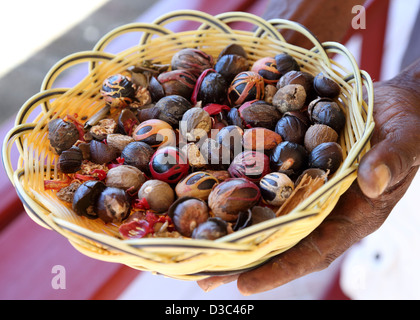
[267, 68]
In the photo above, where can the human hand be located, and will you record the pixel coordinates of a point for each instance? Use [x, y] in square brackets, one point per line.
[384, 174]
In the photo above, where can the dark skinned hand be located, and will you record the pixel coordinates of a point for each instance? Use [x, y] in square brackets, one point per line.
[384, 174]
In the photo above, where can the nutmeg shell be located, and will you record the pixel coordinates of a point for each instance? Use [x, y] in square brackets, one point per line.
[85, 197]
[261, 139]
[113, 205]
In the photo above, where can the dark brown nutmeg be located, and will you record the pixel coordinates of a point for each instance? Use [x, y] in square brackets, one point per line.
[234, 118]
[70, 160]
[325, 111]
[211, 88]
[137, 154]
[156, 89]
[102, 153]
[285, 63]
[187, 213]
[292, 127]
[258, 113]
[327, 156]
[113, 205]
[62, 134]
[172, 108]
[85, 197]
[233, 196]
[192, 60]
[212, 229]
[148, 113]
[233, 48]
[178, 82]
[230, 65]
[288, 157]
[325, 86]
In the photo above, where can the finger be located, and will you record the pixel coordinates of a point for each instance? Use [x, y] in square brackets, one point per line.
[345, 225]
[396, 149]
[211, 283]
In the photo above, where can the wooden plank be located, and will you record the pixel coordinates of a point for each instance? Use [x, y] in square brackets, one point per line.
[29, 253]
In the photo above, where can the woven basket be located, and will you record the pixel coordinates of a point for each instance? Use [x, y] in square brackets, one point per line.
[178, 257]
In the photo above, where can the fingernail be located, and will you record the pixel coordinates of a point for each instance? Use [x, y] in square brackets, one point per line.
[215, 282]
[380, 179]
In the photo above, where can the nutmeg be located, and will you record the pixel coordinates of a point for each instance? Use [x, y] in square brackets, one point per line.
[62, 134]
[172, 108]
[327, 111]
[317, 134]
[232, 196]
[303, 78]
[137, 154]
[197, 184]
[125, 177]
[158, 194]
[292, 126]
[258, 113]
[212, 229]
[276, 188]
[187, 213]
[231, 137]
[192, 60]
[251, 165]
[260, 139]
[118, 141]
[195, 124]
[113, 205]
[285, 63]
[70, 160]
[101, 152]
[325, 86]
[291, 97]
[195, 159]
[327, 156]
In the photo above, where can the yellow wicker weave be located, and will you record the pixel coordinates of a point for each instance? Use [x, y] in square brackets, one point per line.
[177, 257]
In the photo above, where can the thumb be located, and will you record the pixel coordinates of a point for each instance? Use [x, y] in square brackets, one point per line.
[390, 159]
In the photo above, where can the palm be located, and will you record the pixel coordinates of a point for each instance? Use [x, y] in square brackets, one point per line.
[395, 143]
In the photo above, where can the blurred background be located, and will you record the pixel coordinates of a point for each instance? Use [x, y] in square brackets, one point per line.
[37, 34]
